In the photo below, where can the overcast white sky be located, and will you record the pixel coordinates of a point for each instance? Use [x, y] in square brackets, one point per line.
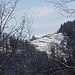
[46, 19]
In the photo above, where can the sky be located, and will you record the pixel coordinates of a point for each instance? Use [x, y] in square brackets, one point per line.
[46, 19]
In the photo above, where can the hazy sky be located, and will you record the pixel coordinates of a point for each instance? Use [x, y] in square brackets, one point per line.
[46, 19]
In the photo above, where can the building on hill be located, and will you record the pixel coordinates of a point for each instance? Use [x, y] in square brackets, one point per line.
[33, 37]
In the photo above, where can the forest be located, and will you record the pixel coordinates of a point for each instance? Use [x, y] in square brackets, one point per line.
[19, 56]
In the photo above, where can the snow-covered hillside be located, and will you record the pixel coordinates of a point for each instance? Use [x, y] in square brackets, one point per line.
[42, 42]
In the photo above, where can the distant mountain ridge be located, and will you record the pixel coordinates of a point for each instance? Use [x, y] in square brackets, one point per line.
[63, 37]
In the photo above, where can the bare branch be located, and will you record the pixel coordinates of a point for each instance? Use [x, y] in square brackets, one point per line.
[63, 5]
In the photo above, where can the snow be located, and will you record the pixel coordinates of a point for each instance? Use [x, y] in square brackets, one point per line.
[42, 42]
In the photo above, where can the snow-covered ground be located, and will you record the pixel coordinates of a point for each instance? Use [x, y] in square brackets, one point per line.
[42, 42]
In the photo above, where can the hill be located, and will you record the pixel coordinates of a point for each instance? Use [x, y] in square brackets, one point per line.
[50, 54]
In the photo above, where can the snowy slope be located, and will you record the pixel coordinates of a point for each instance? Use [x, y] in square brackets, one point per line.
[42, 42]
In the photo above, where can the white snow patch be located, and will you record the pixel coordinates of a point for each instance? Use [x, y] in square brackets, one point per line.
[41, 43]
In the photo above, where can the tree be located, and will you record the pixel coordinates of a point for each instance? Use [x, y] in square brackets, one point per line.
[25, 29]
[64, 6]
[8, 23]
[7, 8]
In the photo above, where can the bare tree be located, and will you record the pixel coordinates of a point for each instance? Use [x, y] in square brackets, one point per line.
[7, 8]
[64, 6]
[57, 57]
[25, 30]
[21, 30]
